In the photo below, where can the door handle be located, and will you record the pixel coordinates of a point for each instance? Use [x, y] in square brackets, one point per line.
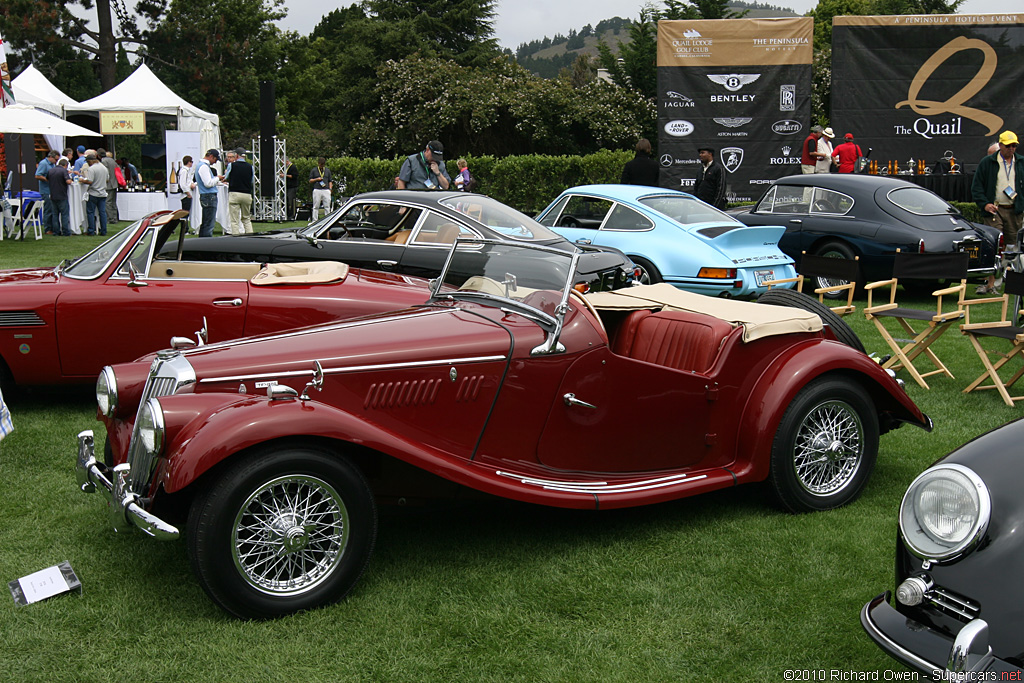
[571, 400]
[795, 220]
[227, 302]
[387, 265]
[583, 240]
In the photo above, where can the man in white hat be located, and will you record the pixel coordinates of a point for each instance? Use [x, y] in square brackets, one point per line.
[824, 162]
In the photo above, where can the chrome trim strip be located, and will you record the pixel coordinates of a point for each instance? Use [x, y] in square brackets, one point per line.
[904, 654]
[298, 333]
[356, 368]
[592, 487]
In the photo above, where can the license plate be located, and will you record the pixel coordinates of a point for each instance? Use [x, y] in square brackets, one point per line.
[971, 251]
[762, 276]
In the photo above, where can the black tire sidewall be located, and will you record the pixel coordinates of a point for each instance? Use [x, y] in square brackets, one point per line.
[795, 299]
[787, 487]
[846, 252]
[653, 274]
[214, 510]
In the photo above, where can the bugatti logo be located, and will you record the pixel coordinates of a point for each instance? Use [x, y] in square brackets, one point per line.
[732, 157]
[733, 122]
[679, 128]
[787, 127]
[733, 82]
[666, 160]
[787, 98]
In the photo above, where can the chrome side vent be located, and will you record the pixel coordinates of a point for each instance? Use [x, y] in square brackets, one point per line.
[20, 319]
[469, 389]
[401, 394]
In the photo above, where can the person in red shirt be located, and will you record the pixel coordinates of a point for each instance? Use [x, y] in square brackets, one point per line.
[847, 154]
[809, 152]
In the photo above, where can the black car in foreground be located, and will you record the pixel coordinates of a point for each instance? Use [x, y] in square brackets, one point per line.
[958, 610]
[846, 215]
[408, 232]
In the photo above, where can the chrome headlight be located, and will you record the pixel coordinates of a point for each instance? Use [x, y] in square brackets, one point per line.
[106, 391]
[945, 512]
[151, 428]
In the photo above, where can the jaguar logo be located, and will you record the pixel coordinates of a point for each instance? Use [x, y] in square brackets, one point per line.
[679, 128]
[732, 157]
[955, 104]
[733, 82]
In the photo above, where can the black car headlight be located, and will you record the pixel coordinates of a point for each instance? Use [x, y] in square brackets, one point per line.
[106, 392]
[151, 428]
[945, 512]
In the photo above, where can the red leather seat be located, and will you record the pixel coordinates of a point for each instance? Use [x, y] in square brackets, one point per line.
[675, 339]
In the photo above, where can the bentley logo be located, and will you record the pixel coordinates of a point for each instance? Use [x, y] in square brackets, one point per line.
[733, 82]
[955, 104]
[666, 160]
[732, 157]
[734, 122]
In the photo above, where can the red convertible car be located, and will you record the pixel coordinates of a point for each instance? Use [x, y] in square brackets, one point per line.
[273, 450]
[52, 320]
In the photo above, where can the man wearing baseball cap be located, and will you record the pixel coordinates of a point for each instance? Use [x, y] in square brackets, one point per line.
[424, 170]
[998, 190]
[847, 154]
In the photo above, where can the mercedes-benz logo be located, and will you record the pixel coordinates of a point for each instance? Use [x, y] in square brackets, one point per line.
[666, 160]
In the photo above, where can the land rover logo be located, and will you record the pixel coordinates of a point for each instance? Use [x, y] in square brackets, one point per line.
[679, 128]
[666, 160]
[732, 157]
[787, 127]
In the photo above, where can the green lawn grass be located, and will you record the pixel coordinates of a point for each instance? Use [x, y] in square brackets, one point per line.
[723, 587]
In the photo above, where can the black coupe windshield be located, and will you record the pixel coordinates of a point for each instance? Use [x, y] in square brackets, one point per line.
[500, 218]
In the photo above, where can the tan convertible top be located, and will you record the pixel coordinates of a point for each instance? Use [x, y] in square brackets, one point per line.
[758, 320]
[305, 272]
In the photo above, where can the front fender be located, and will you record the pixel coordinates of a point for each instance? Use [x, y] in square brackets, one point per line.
[213, 427]
[799, 365]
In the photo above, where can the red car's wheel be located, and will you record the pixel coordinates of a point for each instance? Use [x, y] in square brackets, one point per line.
[825, 446]
[282, 531]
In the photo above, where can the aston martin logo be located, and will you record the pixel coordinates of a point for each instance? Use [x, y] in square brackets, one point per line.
[732, 157]
[734, 122]
[733, 82]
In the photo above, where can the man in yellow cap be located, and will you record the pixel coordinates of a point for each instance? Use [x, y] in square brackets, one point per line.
[998, 190]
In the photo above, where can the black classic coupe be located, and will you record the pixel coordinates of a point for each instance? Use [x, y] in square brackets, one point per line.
[407, 232]
[847, 215]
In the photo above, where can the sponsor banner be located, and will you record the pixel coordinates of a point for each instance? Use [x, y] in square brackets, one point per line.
[122, 122]
[752, 110]
[735, 42]
[927, 86]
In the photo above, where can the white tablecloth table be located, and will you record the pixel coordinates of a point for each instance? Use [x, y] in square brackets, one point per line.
[195, 218]
[131, 206]
[76, 201]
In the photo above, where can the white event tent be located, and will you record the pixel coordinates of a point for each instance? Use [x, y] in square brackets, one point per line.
[143, 91]
[33, 89]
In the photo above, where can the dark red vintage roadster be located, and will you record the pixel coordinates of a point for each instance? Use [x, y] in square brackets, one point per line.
[273, 450]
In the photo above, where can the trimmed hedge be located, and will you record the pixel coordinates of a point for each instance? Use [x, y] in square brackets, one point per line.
[528, 183]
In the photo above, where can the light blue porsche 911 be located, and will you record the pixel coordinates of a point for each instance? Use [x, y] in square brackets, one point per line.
[673, 237]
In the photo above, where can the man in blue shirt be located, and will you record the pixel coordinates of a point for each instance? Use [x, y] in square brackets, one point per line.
[42, 173]
[206, 180]
[80, 161]
[424, 170]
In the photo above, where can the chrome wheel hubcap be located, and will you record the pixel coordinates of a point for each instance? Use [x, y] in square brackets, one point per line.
[290, 535]
[829, 448]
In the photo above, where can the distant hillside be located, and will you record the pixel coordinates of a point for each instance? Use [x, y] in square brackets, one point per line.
[546, 56]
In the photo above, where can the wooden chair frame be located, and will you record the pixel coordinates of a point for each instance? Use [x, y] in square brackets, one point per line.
[944, 266]
[1002, 329]
[820, 266]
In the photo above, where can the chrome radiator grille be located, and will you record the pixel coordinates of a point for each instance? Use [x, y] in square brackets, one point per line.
[169, 372]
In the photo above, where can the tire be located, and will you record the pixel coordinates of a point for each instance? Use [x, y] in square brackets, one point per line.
[649, 273]
[795, 299]
[317, 523]
[825, 447]
[834, 250]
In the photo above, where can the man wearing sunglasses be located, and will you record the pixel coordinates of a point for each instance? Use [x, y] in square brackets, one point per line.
[998, 190]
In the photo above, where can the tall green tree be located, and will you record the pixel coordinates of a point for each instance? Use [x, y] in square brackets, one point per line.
[636, 65]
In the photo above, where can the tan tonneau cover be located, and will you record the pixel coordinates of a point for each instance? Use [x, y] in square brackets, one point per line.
[307, 272]
[758, 320]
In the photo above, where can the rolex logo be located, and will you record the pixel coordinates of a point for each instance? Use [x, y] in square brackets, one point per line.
[786, 150]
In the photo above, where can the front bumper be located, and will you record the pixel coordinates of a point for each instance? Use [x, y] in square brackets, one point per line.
[123, 505]
[966, 658]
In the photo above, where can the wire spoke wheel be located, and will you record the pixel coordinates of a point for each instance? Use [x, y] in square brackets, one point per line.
[829, 448]
[290, 534]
